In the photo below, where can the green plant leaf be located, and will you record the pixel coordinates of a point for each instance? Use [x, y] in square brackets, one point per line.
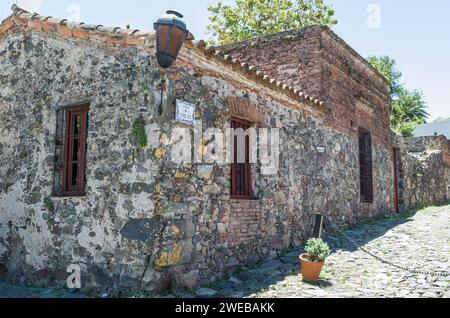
[138, 136]
[248, 19]
[317, 250]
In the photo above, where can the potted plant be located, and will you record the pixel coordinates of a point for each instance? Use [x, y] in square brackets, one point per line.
[314, 259]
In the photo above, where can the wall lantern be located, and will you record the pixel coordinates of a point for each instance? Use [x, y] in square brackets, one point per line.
[171, 31]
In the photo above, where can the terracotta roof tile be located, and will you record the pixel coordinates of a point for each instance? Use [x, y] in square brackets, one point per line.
[258, 74]
[81, 30]
[130, 37]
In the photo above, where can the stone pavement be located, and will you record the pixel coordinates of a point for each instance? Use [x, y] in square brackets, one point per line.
[12, 291]
[418, 241]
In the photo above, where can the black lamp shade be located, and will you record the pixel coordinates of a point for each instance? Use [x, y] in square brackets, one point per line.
[171, 31]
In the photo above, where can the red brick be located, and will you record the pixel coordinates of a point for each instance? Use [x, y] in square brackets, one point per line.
[49, 27]
[130, 40]
[20, 21]
[7, 24]
[326, 69]
[108, 38]
[35, 24]
[64, 30]
[80, 34]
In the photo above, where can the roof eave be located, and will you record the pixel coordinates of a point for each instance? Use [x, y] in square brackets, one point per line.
[253, 73]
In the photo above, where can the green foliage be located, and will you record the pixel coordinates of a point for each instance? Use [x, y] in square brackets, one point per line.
[408, 108]
[252, 18]
[408, 111]
[432, 145]
[49, 205]
[387, 67]
[23, 155]
[327, 274]
[317, 250]
[138, 135]
[417, 175]
[242, 247]
[349, 68]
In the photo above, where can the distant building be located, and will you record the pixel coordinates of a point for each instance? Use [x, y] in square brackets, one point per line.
[436, 128]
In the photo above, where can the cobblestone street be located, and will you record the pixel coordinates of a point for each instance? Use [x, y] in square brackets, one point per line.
[420, 241]
[12, 291]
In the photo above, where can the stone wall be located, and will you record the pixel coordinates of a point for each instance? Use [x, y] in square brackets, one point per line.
[426, 179]
[424, 171]
[146, 221]
[429, 143]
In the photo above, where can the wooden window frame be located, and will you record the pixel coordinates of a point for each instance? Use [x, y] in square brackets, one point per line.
[365, 165]
[247, 193]
[67, 188]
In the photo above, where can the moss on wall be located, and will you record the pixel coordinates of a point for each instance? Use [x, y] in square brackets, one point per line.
[138, 136]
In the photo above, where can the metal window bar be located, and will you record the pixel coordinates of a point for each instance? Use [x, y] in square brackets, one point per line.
[73, 158]
[59, 152]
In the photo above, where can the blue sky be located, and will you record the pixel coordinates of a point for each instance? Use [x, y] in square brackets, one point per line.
[415, 33]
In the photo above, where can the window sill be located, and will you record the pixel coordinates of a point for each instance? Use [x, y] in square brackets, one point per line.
[233, 198]
[70, 196]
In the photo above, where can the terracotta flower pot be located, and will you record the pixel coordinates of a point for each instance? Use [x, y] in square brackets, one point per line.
[310, 270]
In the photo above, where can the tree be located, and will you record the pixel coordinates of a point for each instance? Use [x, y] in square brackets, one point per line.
[408, 111]
[252, 18]
[408, 108]
[386, 66]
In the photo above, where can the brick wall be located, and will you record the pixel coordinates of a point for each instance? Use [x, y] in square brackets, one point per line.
[245, 222]
[318, 62]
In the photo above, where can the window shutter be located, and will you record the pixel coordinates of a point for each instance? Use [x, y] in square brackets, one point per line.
[365, 161]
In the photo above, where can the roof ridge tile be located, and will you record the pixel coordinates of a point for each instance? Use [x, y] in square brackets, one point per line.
[129, 37]
[113, 35]
[251, 70]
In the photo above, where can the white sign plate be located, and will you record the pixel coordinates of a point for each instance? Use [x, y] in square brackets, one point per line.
[185, 113]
